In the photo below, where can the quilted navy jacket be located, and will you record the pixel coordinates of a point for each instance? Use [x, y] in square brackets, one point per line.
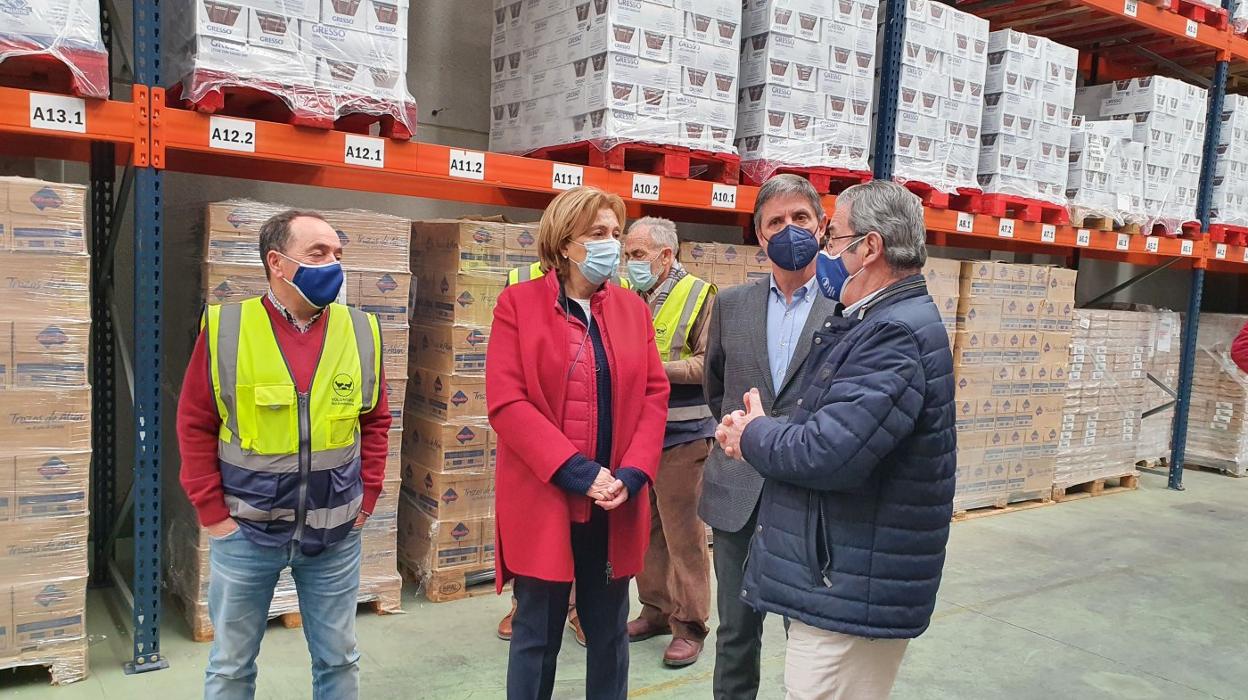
[855, 512]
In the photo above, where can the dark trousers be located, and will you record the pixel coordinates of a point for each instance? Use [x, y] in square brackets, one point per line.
[542, 613]
[739, 637]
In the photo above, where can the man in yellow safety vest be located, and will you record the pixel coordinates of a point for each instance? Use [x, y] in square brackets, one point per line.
[675, 586]
[531, 272]
[282, 428]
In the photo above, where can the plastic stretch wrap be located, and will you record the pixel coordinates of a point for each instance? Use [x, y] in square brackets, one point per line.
[724, 264]
[1217, 427]
[1105, 397]
[67, 31]
[1106, 171]
[1239, 16]
[1162, 365]
[806, 77]
[324, 60]
[1010, 355]
[614, 71]
[1167, 120]
[375, 258]
[1028, 105]
[1230, 179]
[45, 403]
[941, 96]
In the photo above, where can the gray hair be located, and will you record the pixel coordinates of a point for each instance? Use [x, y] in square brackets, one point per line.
[783, 185]
[662, 231]
[896, 214]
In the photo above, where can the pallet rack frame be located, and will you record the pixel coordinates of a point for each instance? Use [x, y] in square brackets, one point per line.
[149, 139]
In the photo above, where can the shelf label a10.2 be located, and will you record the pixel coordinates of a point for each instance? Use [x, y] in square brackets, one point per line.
[58, 113]
[646, 187]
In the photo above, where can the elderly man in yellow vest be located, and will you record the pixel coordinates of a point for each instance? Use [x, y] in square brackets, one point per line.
[282, 428]
[674, 586]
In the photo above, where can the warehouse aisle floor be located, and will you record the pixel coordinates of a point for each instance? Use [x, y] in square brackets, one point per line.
[1137, 595]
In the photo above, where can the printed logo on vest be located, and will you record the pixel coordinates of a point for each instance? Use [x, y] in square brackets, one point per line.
[343, 385]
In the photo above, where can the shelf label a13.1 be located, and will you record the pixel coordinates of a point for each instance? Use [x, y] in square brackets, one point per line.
[467, 164]
[566, 177]
[58, 113]
[364, 150]
[232, 134]
[646, 187]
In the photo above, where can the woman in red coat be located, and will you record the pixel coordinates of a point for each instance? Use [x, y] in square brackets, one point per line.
[578, 399]
[1239, 349]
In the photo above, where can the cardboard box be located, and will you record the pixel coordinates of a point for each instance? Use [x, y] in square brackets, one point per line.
[446, 496]
[49, 611]
[44, 485]
[428, 545]
[450, 297]
[386, 295]
[1062, 284]
[45, 353]
[37, 286]
[447, 397]
[372, 241]
[32, 420]
[450, 447]
[462, 245]
[29, 549]
[449, 348]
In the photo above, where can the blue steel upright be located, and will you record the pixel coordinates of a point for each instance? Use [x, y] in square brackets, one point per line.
[1191, 326]
[894, 29]
[148, 214]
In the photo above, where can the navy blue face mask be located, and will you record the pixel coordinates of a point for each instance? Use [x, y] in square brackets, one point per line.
[832, 274]
[317, 284]
[792, 248]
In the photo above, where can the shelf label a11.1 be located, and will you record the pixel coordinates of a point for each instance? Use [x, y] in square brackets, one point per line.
[367, 151]
[566, 177]
[58, 113]
[232, 134]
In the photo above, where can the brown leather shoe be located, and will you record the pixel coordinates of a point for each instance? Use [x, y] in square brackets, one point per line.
[504, 627]
[642, 629]
[682, 652]
[575, 623]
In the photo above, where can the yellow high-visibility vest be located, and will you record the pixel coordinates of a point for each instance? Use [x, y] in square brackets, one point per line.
[675, 318]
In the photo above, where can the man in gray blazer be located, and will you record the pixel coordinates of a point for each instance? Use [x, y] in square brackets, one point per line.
[760, 334]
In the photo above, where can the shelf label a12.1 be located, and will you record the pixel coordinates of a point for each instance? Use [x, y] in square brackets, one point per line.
[58, 113]
[367, 151]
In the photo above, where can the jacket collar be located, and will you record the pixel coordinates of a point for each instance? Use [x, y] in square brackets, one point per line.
[560, 296]
[907, 288]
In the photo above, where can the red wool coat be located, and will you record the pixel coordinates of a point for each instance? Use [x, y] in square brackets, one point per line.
[530, 384]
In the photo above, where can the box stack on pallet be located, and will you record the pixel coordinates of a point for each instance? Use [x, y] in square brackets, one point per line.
[45, 324]
[1230, 179]
[1161, 365]
[615, 71]
[944, 281]
[54, 46]
[1010, 356]
[1105, 177]
[1104, 397]
[375, 260]
[941, 96]
[446, 517]
[806, 91]
[724, 264]
[1217, 429]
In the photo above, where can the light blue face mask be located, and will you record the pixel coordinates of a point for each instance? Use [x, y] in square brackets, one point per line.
[602, 260]
[641, 275]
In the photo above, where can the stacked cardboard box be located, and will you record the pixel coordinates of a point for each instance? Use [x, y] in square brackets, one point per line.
[1028, 104]
[46, 405]
[1010, 356]
[1105, 178]
[724, 264]
[446, 523]
[806, 92]
[943, 278]
[941, 95]
[375, 260]
[323, 58]
[1217, 428]
[1104, 397]
[1168, 123]
[65, 30]
[614, 70]
[1230, 179]
[1161, 365]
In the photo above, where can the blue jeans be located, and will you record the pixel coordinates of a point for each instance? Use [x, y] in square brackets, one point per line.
[240, 589]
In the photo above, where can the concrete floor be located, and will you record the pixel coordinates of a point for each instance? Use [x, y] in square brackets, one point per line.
[1135, 595]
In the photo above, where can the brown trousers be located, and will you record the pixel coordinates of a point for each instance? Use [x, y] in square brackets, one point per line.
[675, 584]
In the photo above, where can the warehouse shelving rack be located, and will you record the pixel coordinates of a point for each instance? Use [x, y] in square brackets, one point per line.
[1117, 38]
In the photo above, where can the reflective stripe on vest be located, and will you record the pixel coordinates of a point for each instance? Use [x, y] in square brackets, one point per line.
[676, 316]
[532, 272]
[283, 453]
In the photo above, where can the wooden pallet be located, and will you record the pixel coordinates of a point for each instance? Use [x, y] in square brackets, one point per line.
[965, 199]
[78, 73]
[298, 106]
[1226, 233]
[1023, 209]
[1107, 224]
[453, 584]
[824, 180]
[1236, 472]
[1187, 229]
[65, 662]
[1217, 18]
[668, 161]
[1096, 487]
[1000, 509]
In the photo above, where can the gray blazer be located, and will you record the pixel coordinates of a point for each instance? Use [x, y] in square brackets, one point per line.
[736, 361]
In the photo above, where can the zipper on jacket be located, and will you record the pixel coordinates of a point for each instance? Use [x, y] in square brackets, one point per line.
[822, 534]
[305, 462]
[610, 572]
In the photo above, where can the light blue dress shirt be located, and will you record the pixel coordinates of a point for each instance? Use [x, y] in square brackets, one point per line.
[785, 322]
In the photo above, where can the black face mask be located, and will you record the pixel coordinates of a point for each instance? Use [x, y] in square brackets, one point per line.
[793, 248]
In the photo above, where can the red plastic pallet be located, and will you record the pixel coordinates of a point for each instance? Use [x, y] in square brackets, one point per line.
[78, 73]
[1201, 14]
[1229, 234]
[965, 199]
[668, 161]
[1187, 229]
[825, 180]
[1024, 209]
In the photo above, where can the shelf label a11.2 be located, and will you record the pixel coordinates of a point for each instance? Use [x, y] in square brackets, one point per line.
[58, 113]
[467, 164]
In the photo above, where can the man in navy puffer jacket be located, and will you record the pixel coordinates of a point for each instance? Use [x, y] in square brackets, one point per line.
[855, 512]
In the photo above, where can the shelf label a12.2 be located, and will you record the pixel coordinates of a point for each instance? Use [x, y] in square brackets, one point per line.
[232, 134]
[58, 113]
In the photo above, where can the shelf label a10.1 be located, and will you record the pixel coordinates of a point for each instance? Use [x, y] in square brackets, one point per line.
[232, 134]
[58, 113]
[723, 196]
